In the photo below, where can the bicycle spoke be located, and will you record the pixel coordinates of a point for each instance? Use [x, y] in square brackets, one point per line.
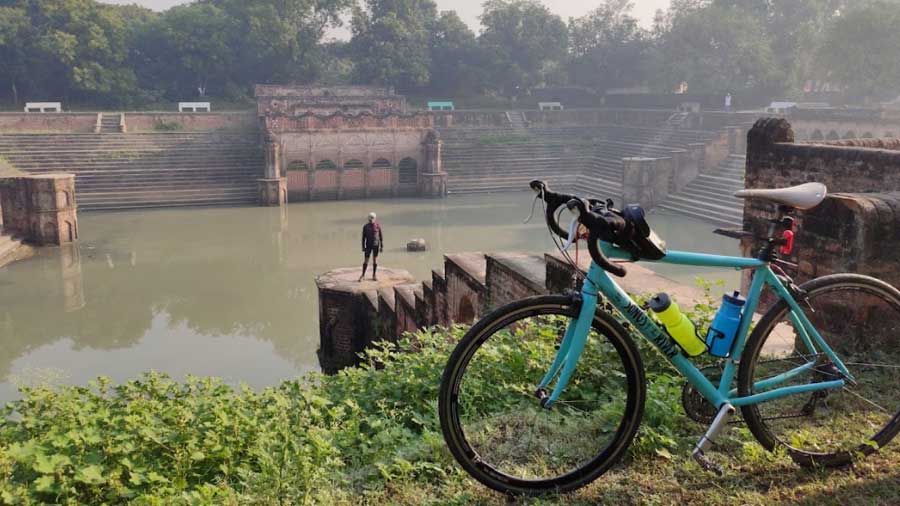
[851, 392]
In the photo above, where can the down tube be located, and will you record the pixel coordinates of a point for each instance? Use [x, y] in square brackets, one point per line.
[652, 332]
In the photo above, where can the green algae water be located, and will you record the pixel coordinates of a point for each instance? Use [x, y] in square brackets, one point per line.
[230, 292]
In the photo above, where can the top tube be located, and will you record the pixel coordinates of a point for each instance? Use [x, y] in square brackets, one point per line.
[688, 258]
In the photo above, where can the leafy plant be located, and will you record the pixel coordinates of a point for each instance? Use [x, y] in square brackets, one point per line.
[161, 125]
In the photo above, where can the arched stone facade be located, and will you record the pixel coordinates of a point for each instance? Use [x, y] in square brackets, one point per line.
[336, 154]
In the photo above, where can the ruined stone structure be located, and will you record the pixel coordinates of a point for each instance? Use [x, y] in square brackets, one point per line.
[346, 142]
[354, 315]
[857, 228]
[40, 209]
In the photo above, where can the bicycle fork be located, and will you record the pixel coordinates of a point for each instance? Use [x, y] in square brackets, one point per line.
[718, 425]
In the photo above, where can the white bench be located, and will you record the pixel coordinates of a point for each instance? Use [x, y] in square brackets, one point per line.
[43, 106]
[194, 107]
[550, 106]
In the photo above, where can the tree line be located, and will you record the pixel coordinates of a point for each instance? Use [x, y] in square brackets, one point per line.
[87, 52]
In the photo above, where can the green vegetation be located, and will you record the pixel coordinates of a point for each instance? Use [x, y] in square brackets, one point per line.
[7, 169]
[166, 126]
[92, 54]
[367, 435]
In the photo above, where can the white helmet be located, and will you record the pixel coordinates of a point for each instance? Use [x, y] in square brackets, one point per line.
[372, 216]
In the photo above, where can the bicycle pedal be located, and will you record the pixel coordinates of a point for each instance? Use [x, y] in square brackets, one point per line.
[707, 464]
[543, 396]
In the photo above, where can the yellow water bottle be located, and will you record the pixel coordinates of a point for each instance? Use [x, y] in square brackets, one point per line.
[678, 325]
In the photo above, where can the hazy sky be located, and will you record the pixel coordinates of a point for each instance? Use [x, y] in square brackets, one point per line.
[469, 10]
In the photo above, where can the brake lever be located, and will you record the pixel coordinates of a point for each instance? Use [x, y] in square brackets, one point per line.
[573, 234]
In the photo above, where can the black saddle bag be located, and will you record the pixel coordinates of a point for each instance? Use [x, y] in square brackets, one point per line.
[638, 238]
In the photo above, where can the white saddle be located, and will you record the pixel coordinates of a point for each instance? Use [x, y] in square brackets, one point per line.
[802, 197]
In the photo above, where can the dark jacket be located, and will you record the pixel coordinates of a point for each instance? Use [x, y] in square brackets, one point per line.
[372, 238]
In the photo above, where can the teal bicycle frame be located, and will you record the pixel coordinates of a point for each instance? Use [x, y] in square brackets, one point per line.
[599, 282]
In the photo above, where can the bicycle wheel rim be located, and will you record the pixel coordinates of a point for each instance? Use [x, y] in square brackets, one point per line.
[480, 430]
[861, 322]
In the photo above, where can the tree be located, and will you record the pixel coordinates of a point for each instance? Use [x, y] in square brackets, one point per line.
[524, 42]
[279, 40]
[14, 24]
[188, 49]
[391, 42]
[860, 50]
[457, 65]
[715, 49]
[608, 48]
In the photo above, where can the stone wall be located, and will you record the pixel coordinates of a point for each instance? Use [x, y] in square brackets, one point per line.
[192, 121]
[856, 228]
[68, 122]
[466, 289]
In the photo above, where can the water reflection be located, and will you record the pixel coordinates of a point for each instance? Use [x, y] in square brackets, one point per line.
[230, 292]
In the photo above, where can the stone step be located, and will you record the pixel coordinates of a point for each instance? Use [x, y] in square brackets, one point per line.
[154, 204]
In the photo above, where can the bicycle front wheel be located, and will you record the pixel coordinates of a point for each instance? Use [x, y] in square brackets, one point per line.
[494, 424]
[859, 318]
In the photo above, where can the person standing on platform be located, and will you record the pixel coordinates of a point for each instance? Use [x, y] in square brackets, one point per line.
[372, 244]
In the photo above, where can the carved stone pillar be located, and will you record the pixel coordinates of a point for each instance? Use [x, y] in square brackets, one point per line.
[273, 186]
[433, 179]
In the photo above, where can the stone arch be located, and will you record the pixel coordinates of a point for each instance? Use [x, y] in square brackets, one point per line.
[850, 135]
[326, 165]
[71, 231]
[409, 171]
[50, 232]
[817, 136]
[465, 312]
[297, 165]
[867, 135]
[382, 163]
[833, 136]
[353, 164]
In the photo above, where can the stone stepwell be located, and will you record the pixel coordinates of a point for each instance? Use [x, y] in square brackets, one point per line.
[585, 159]
[710, 196]
[145, 170]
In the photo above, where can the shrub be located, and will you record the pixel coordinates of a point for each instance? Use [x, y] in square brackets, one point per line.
[166, 126]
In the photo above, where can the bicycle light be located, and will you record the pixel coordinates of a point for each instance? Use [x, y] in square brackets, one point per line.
[787, 244]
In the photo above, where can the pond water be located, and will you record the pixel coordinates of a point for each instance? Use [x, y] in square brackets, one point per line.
[230, 292]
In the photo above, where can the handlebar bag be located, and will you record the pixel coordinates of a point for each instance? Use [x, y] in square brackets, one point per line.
[641, 241]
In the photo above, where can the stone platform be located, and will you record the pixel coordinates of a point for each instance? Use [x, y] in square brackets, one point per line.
[347, 323]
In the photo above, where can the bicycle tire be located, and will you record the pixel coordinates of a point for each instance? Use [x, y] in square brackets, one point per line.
[490, 326]
[769, 434]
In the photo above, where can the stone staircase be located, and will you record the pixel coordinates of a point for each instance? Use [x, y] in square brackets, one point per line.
[109, 123]
[9, 247]
[145, 170]
[710, 196]
[586, 159]
[517, 120]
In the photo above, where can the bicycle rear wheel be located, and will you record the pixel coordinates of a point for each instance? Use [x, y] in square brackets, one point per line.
[494, 424]
[859, 317]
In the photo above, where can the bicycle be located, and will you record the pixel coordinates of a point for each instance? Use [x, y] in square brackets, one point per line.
[547, 393]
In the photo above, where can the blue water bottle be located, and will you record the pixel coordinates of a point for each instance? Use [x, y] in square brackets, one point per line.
[723, 330]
